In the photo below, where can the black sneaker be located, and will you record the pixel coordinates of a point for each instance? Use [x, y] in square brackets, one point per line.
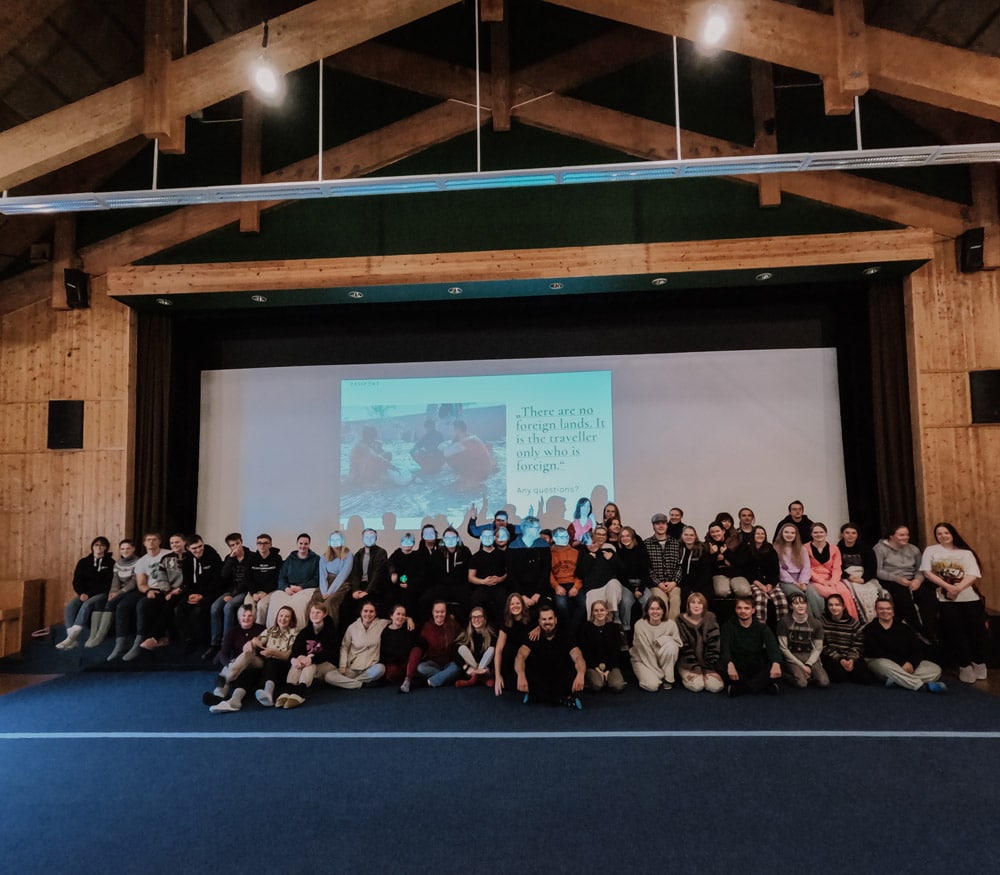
[210, 699]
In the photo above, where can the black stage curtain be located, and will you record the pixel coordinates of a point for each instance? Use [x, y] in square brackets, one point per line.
[153, 381]
[895, 480]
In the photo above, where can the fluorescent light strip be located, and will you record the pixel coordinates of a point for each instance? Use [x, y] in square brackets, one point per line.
[799, 162]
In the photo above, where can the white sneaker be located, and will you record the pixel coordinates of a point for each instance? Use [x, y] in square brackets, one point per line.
[979, 669]
[967, 675]
[225, 707]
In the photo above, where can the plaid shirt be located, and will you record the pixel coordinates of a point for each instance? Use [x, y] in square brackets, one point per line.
[664, 561]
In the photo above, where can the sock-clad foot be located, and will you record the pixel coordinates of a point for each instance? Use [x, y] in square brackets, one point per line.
[979, 670]
[404, 687]
[967, 675]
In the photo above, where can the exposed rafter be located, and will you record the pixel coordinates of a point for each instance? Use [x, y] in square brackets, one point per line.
[800, 39]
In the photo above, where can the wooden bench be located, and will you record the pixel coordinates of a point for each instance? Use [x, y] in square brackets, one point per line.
[20, 613]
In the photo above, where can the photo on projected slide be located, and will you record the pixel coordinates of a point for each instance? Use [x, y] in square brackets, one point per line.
[423, 455]
[525, 438]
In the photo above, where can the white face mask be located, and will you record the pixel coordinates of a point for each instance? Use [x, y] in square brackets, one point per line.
[451, 540]
[502, 537]
[531, 534]
[368, 539]
[406, 542]
[486, 538]
[561, 538]
[336, 540]
[429, 535]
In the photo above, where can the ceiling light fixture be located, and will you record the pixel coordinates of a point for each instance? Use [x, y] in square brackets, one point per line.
[632, 171]
[660, 281]
[716, 25]
[354, 293]
[764, 276]
[267, 83]
[871, 271]
[258, 299]
[455, 290]
[555, 286]
[164, 302]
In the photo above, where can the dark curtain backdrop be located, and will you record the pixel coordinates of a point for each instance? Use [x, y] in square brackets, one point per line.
[612, 324]
[895, 480]
[152, 425]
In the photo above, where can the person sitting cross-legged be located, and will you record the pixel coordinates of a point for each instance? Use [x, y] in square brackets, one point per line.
[236, 653]
[894, 652]
[359, 652]
[551, 669]
[749, 652]
[800, 637]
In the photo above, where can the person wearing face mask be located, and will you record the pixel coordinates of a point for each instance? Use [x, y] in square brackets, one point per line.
[529, 563]
[369, 577]
[334, 569]
[408, 572]
[449, 576]
[487, 576]
[567, 587]
[499, 522]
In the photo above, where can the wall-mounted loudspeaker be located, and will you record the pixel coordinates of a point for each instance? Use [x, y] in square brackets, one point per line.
[970, 250]
[984, 393]
[65, 425]
[77, 288]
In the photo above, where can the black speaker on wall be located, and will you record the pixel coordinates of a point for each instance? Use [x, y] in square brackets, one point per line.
[970, 250]
[77, 288]
[984, 392]
[65, 425]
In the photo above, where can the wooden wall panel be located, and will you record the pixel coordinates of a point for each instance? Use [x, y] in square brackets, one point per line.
[953, 328]
[53, 503]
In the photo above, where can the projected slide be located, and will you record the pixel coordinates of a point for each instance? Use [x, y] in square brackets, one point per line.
[389, 445]
[444, 442]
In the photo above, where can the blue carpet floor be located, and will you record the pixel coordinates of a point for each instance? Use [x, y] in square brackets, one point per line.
[130, 773]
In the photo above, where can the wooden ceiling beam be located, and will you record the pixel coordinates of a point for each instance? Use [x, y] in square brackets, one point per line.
[164, 29]
[798, 38]
[500, 71]
[850, 80]
[251, 135]
[765, 140]
[301, 37]
[810, 250]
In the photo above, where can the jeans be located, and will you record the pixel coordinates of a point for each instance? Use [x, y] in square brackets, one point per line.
[438, 675]
[78, 612]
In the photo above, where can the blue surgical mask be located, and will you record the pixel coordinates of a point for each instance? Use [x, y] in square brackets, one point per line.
[336, 540]
[429, 535]
[406, 541]
[368, 539]
[502, 536]
[451, 540]
[561, 538]
[486, 538]
[531, 534]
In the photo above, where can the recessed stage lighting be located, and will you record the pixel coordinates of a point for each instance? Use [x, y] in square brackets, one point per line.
[165, 302]
[258, 299]
[660, 281]
[763, 276]
[871, 271]
[455, 290]
[354, 293]
[716, 25]
[555, 286]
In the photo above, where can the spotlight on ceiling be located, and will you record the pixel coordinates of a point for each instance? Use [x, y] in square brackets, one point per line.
[764, 276]
[716, 25]
[268, 85]
[872, 271]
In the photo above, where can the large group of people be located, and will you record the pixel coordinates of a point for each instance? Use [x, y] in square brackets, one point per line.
[546, 613]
